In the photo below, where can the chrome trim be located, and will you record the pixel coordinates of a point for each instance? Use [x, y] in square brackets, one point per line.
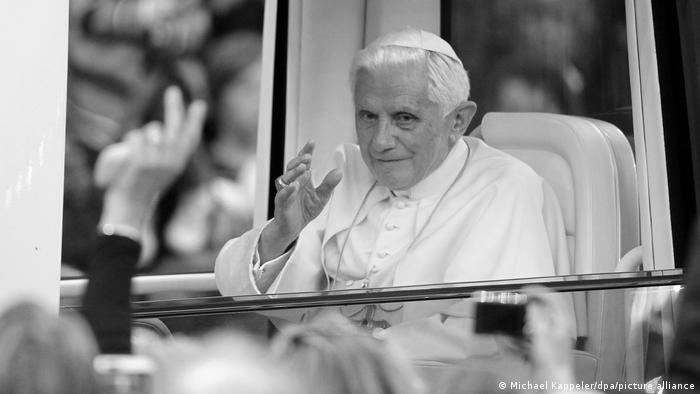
[150, 284]
[257, 303]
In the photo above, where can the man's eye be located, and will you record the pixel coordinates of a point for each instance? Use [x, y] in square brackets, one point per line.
[367, 116]
[405, 120]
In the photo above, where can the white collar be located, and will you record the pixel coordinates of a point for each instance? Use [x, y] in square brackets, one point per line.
[437, 182]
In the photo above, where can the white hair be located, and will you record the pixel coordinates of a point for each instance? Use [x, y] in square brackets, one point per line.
[448, 82]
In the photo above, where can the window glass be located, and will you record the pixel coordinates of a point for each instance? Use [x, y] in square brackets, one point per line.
[567, 57]
[122, 55]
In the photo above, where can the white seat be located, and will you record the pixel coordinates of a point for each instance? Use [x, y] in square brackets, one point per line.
[575, 158]
[593, 176]
[627, 185]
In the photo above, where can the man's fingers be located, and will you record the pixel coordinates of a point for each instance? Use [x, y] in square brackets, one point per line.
[307, 151]
[304, 156]
[307, 148]
[290, 176]
[174, 109]
[295, 162]
[330, 181]
[284, 196]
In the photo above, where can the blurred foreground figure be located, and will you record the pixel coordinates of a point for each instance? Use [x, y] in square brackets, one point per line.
[222, 363]
[335, 357]
[134, 173]
[41, 353]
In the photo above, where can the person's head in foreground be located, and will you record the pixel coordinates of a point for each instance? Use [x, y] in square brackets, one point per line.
[411, 95]
[336, 357]
[221, 363]
[42, 353]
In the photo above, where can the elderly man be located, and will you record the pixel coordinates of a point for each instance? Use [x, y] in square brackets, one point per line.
[414, 203]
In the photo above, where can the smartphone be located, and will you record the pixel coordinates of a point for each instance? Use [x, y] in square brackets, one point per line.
[501, 313]
[124, 373]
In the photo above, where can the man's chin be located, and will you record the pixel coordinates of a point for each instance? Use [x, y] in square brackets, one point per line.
[393, 183]
[394, 175]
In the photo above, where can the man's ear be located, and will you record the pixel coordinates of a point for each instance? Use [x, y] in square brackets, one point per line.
[462, 116]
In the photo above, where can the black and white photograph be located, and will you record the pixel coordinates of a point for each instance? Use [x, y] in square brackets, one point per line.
[350, 196]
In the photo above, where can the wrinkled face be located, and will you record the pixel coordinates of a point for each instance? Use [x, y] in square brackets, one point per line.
[402, 134]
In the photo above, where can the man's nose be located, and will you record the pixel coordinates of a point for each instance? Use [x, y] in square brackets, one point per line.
[383, 138]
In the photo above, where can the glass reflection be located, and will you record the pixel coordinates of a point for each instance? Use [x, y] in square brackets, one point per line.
[546, 56]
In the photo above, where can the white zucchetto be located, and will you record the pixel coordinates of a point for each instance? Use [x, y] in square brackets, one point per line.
[414, 38]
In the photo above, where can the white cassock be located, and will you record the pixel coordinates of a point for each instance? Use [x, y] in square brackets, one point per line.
[481, 215]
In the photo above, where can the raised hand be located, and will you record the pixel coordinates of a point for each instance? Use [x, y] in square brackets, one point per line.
[296, 204]
[136, 170]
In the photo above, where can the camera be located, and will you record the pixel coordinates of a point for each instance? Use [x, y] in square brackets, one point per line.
[500, 313]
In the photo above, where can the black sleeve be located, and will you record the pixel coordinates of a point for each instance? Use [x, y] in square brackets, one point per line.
[106, 301]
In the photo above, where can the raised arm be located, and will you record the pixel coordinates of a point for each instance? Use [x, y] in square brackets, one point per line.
[133, 173]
